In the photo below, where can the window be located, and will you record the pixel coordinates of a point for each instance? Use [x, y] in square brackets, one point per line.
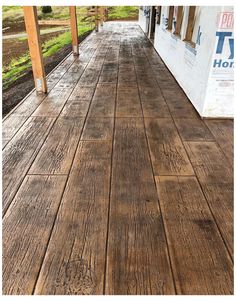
[179, 20]
[170, 17]
[158, 16]
[190, 24]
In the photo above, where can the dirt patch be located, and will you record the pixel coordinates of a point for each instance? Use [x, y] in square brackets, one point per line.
[14, 48]
[22, 86]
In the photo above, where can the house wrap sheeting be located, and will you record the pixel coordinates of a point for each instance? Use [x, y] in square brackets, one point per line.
[203, 66]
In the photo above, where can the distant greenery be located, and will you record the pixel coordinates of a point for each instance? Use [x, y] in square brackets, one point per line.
[46, 9]
[52, 46]
[122, 12]
[20, 65]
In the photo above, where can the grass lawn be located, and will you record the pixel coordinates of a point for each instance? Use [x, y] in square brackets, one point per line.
[20, 65]
[122, 12]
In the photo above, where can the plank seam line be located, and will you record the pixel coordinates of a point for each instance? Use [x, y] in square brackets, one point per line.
[26, 173]
[110, 184]
[66, 182]
[153, 175]
[216, 141]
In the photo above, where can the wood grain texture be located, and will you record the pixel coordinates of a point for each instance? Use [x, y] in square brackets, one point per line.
[198, 254]
[90, 77]
[4, 142]
[150, 94]
[74, 108]
[108, 76]
[77, 266]
[155, 109]
[20, 153]
[54, 102]
[127, 75]
[179, 104]
[192, 129]
[28, 106]
[223, 133]
[216, 179]
[137, 253]
[128, 103]
[11, 125]
[82, 93]
[98, 129]
[167, 151]
[57, 152]
[103, 103]
[26, 231]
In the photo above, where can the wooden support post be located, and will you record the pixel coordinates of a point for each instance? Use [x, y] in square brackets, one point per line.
[32, 29]
[102, 10]
[96, 18]
[74, 30]
[105, 13]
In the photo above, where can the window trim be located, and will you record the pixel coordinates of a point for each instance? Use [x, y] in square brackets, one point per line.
[170, 18]
[158, 14]
[179, 21]
[190, 25]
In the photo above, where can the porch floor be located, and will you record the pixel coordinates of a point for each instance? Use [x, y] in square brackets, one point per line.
[112, 183]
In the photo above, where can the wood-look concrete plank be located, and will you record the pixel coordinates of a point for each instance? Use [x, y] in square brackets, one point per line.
[82, 93]
[127, 75]
[4, 142]
[57, 152]
[155, 109]
[128, 103]
[29, 105]
[11, 125]
[137, 252]
[200, 261]
[146, 80]
[150, 93]
[90, 77]
[19, 154]
[167, 151]
[193, 129]
[26, 231]
[216, 178]
[108, 76]
[103, 103]
[223, 133]
[98, 129]
[179, 105]
[74, 108]
[75, 258]
[54, 102]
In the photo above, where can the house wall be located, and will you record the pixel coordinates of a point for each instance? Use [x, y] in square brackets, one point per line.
[205, 72]
[144, 18]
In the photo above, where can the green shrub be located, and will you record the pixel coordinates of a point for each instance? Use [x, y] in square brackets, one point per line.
[46, 9]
